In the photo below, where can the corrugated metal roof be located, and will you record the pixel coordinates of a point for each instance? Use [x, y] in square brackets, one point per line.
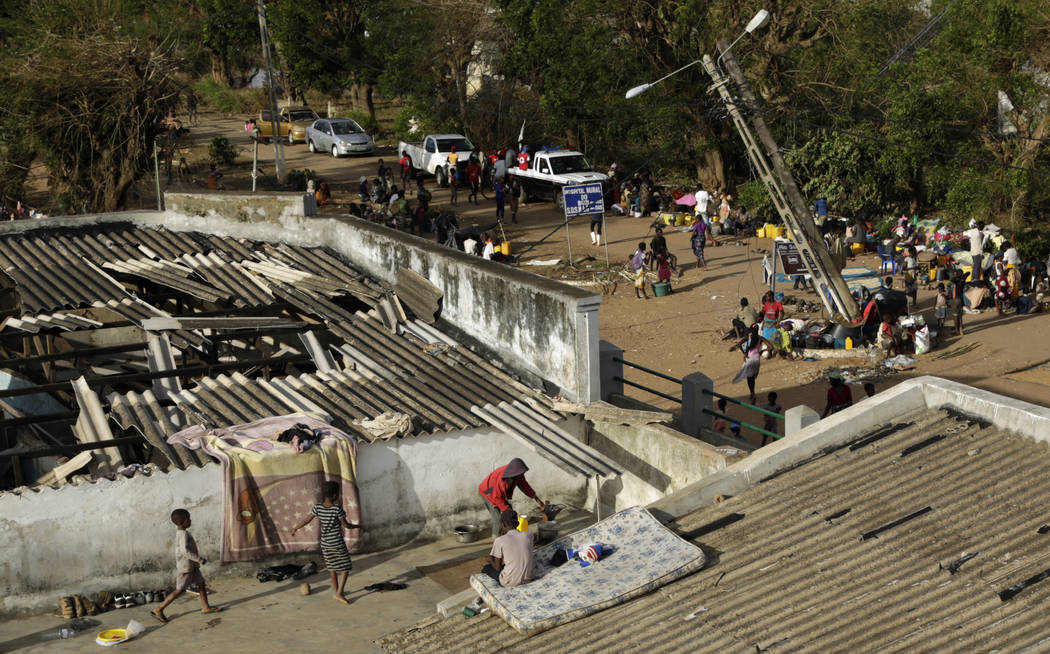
[839, 554]
[67, 268]
[387, 365]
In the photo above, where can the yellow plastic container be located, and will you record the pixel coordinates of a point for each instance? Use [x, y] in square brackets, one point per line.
[668, 218]
[523, 523]
[849, 343]
[679, 219]
[505, 248]
[858, 248]
[774, 231]
[760, 232]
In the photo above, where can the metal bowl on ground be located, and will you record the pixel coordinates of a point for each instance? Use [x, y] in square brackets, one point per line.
[547, 531]
[466, 533]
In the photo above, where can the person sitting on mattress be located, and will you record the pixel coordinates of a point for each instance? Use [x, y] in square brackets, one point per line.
[511, 559]
[498, 488]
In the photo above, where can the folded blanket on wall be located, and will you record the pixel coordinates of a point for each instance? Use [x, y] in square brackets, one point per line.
[268, 486]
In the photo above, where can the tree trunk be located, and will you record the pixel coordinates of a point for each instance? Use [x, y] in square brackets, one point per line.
[370, 101]
[711, 170]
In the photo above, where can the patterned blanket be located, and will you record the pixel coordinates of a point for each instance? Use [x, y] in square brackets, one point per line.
[268, 487]
[645, 555]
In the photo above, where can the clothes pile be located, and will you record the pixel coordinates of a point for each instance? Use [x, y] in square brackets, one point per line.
[282, 572]
[301, 437]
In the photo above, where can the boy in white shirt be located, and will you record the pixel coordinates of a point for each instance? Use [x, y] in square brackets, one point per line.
[976, 236]
[187, 567]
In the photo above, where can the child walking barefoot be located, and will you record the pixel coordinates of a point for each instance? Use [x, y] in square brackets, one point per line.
[332, 518]
[187, 567]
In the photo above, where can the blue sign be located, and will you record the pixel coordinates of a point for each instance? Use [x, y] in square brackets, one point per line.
[582, 199]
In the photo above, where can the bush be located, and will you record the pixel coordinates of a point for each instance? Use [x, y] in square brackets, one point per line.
[884, 227]
[221, 152]
[970, 196]
[755, 198]
[1033, 243]
[254, 100]
[219, 96]
[297, 179]
[406, 125]
[369, 124]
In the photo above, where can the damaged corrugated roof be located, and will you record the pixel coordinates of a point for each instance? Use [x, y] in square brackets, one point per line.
[436, 386]
[373, 363]
[927, 535]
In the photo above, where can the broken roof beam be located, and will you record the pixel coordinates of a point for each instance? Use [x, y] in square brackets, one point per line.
[320, 355]
[188, 371]
[422, 298]
[170, 323]
[92, 426]
[161, 357]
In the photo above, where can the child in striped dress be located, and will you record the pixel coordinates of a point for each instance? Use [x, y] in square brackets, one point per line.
[332, 519]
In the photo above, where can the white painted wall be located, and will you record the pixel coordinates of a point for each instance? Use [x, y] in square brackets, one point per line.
[657, 460]
[425, 486]
[110, 535]
[117, 535]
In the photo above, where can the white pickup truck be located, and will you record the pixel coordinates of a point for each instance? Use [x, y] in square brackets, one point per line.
[550, 170]
[431, 155]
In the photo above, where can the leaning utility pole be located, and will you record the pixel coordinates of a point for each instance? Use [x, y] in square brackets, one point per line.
[278, 146]
[787, 199]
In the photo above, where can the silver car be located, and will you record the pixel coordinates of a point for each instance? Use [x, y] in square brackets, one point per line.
[339, 136]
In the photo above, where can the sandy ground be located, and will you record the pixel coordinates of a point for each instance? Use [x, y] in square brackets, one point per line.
[679, 334]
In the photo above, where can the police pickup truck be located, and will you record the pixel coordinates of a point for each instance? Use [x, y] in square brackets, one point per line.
[550, 170]
[431, 155]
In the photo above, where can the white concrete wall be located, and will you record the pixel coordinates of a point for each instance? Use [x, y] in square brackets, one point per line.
[117, 535]
[110, 535]
[424, 486]
[657, 460]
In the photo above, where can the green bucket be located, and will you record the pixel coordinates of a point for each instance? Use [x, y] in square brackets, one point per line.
[661, 289]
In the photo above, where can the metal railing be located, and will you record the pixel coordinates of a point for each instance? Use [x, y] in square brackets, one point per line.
[651, 372]
[746, 405]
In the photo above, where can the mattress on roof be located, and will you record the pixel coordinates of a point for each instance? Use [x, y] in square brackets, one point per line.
[646, 555]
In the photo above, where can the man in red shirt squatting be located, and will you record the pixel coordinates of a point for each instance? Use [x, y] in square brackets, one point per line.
[498, 488]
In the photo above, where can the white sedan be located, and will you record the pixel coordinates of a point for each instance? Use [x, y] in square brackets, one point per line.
[339, 136]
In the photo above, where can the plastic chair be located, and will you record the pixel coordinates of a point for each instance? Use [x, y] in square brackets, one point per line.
[887, 259]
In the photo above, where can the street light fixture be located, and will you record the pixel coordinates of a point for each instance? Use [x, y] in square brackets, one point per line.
[760, 19]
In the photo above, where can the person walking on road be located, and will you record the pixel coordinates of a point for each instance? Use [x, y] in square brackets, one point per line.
[751, 347]
[515, 196]
[474, 177]
[698, 240]
[501, 189]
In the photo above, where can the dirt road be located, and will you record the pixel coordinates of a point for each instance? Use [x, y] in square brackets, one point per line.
[679, 334]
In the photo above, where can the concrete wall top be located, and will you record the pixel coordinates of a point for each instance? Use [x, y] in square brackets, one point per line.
[927, 392]
[79, 220]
